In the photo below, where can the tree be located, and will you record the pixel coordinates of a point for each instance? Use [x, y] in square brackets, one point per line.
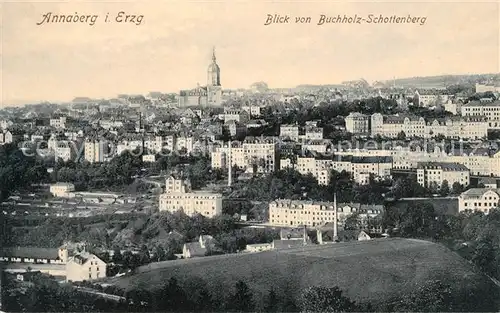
[433, 187]
[242, 299]
[117, 256]
[352, 222]
[401, 135]
[445, 188]
[417, 220]
[457, 188]
[485, 256]
[324, 299]
[433, 296]
[271, 302]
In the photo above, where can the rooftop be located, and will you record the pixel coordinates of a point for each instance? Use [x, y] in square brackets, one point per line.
[442, 165]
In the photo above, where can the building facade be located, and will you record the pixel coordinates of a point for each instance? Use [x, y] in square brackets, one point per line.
[315, 213]
[485, 108]
[178, 196]
[357, 123]
[435, 173]
[466, 127]
[479, 199]
[85, 266]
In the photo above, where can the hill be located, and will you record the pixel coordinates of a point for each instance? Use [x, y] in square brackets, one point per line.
[369, 271]
[442, 81]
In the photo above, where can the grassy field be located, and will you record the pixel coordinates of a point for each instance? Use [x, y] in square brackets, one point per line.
[368, 271]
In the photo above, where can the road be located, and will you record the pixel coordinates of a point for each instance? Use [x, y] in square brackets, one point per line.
[102, 294]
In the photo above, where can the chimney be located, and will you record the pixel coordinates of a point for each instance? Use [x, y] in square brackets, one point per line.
[305, 235]
[230, 170]
[319, 234]
[335, 237]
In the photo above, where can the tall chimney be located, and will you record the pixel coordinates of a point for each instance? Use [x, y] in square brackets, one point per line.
[335, 236]
[305, 235]
[319, 234]
[230, 170]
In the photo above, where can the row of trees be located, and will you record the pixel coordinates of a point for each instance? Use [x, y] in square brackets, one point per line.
[196, 295]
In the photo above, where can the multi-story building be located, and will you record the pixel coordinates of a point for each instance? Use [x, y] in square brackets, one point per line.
[317, 145]
[66, 150]
[359, 167]
[313, 133]
[431, 97]
[85, 266]
[435, 173]
[58, 122]
[95, 150]
[253, 110]
[262, 152]
[289, 131]
[235, 114]
[236, 129]
[314, 213]
[184, 143]
[357, 123]
[178, 196]
[479, 199]
[469, 127]
[487, 88]
[484, 108]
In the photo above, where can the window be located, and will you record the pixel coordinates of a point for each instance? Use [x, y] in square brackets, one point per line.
[90, 269]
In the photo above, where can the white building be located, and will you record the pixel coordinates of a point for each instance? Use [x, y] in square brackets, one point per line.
[59, 122]
[62, 190]
[151, 158]
[178, 196]
[487, 88]
[359, 167]
[357, 123]
[484, 108]
[479, 199]
[314, 213]
[468, 127]
[289, 131]
[85, 266]
[95, 151]
[435, 173]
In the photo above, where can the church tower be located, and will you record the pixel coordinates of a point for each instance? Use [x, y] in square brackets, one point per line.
[213, 72]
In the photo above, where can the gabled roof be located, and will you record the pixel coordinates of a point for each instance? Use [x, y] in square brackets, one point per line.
[29, 252]
[195, 249]
[479, 192]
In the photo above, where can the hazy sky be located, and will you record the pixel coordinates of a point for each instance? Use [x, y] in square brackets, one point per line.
[171, 49]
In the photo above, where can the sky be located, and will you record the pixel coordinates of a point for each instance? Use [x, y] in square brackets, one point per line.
[171, 48]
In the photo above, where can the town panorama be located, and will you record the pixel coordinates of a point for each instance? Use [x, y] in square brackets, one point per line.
[351, 197]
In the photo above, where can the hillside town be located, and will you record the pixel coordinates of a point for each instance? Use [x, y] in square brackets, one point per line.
[100, 194]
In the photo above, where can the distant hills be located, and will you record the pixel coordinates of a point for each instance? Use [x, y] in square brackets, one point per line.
[425, 82]
[442, 81]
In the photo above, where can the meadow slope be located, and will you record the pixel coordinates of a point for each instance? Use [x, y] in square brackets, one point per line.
[369, 271]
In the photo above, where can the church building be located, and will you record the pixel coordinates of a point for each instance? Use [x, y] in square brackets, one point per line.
[209, 95]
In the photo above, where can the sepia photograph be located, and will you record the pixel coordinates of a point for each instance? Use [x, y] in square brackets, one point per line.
[249, 156]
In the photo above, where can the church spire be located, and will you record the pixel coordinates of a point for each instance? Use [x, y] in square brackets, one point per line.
[213, 55]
